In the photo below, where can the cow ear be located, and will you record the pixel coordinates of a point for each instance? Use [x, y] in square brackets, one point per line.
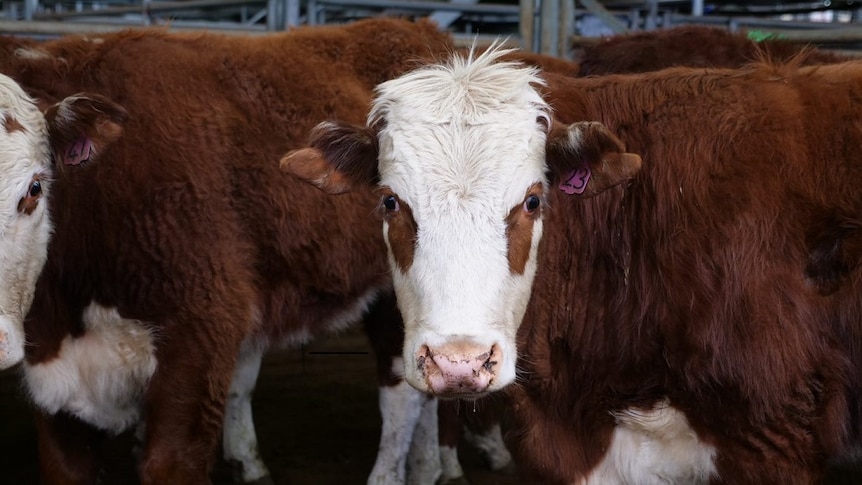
[82, 126]
[340, 157]
[585, 159]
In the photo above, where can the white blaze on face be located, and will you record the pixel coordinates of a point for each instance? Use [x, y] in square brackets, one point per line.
[25, 163]
[463, 176]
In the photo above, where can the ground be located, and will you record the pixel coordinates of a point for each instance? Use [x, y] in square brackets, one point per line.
[316, 412]
[317, 417]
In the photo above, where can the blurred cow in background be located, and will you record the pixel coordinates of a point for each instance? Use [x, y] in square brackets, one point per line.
[694, 312]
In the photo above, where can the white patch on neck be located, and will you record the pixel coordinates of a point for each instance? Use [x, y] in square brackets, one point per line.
[32, 53]
[100, 376]
[340, 321]
[654, 447]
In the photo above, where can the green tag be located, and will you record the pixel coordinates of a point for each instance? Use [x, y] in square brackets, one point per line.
[760, 36]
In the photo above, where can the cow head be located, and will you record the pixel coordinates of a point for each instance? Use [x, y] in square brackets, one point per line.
[35, 149]
[461, 155]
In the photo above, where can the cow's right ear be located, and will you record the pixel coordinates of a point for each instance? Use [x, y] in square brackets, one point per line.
[82, 126]
[340, 157]
[586, 158]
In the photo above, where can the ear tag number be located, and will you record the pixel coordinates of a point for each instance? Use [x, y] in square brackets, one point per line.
[575, 182]
[78, 151]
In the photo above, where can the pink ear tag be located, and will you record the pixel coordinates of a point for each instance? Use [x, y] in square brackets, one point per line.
[78, 152]
[575, 182]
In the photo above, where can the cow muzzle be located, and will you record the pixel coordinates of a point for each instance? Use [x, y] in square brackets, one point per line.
[459, 369]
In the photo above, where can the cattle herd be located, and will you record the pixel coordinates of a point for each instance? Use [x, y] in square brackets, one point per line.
[656, 275]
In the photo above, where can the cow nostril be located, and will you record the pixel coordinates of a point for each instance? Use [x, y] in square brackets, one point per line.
[491, 359]
[424, 355]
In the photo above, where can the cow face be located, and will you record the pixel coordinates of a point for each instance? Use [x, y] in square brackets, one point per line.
[458, 155]
[27, 173]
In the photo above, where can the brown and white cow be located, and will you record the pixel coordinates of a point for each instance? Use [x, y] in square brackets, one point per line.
[696, 324]
[185, 247]
[30, 147]
[692, 46]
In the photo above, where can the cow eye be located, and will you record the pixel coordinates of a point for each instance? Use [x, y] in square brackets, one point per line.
[29, 202]
[531, 203]
[390, 202]
[35, 189]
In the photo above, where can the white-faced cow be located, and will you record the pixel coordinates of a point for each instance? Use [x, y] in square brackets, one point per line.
[179, 252]
[27, 171]
[699, 323]
[451, 207]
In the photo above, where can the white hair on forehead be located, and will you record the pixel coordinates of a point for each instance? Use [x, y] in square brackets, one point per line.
[15, 102]
[470, 88]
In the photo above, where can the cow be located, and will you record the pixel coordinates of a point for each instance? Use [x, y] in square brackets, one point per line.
[70, 63]
[692, 46]
[692, 314]
[184, 254]
[34, 148]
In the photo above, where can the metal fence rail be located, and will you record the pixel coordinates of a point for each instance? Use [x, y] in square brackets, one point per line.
[546, 26]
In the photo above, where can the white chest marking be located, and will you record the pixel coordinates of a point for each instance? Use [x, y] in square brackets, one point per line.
[654, 447]
[100, 376]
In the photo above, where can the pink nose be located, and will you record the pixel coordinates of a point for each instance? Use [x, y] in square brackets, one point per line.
[460, 368]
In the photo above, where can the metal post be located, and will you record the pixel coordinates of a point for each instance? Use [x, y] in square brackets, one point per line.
[697, 8]
[145, 13]
[550, 27]
[30, 8]
[567, 28]
[311, 12]
[291, 13]
[651, 20]
[537, 25]
[526, 24]
[272, 15]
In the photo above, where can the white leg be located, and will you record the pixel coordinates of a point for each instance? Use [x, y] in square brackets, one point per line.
[449, 464]
[400, 406]
[490, 444]
[423, 461]
[239, 438]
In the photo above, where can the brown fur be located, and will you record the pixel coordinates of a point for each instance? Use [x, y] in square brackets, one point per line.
[190, 226]
[402, 232]
[691, 46]
[11, 124]
[700, 281]
[519, 232]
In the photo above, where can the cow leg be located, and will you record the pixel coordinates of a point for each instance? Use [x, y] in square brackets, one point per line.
[493, 449]
[68, 449]
[400, 404]
[238, 438]
[185, 400]
[482, 430]
[400, 407]
[423, 460]
[449, 426]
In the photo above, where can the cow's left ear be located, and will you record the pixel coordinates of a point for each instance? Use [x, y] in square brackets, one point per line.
[340, 157]
[82, 126]
[585, 159]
